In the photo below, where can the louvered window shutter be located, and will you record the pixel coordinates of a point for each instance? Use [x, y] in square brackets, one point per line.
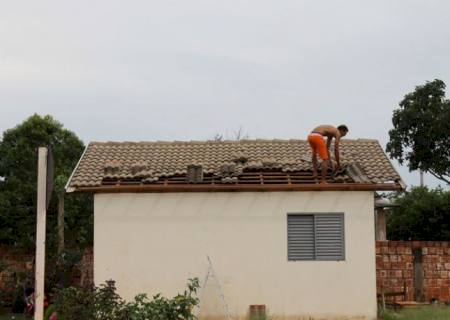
[301, 237]
[316, 236]
[329, 236]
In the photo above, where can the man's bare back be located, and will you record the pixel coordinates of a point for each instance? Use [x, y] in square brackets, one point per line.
[327, 131]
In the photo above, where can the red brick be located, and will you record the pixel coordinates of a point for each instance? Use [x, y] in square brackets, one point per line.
[392, 274]
[416, 244]
[430, 282]
[407, 274]
[400, 250]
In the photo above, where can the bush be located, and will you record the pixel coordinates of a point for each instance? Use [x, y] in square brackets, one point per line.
[422, 214]
[103, 303]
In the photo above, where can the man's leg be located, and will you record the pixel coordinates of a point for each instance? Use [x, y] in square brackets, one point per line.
[324, 171]
[314, 163]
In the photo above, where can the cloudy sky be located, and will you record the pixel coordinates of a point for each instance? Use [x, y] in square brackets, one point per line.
[182, 70]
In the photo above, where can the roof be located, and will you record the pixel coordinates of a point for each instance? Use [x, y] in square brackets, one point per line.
[227, 165]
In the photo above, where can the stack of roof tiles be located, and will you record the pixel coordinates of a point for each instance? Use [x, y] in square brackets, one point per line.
[222, 162]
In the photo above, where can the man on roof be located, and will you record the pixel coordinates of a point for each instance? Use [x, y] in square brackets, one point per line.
[316, 140]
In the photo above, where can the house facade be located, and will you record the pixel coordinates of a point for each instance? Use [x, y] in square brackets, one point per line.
[273, 236]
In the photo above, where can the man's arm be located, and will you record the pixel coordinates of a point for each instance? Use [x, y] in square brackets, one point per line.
[336, 150]
[328, 146]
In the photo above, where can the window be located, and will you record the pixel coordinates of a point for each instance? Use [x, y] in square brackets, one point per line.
[318, 236]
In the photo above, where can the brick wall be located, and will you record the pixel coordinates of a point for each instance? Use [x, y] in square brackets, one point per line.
[18, 263]
[13, 262]
[423, 267]
[396, 266]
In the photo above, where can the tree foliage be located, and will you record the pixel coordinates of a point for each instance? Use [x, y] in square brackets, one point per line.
[18, 169]
[422, 214]
[421, 133]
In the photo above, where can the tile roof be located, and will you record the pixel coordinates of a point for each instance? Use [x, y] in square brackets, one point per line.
[224, 162]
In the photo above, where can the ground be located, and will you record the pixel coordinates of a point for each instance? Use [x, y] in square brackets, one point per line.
[13, 317]
[428, 313]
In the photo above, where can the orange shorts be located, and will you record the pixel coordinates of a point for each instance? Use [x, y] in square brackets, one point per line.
[318, 145]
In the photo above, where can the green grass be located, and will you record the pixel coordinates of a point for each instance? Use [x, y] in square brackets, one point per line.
[425, 313]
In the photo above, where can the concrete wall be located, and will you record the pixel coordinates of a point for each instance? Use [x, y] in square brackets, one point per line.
[154, 242]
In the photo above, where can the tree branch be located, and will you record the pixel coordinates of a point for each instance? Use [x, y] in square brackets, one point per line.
[440, 177]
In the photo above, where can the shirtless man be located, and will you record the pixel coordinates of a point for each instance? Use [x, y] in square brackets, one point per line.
[317, 143]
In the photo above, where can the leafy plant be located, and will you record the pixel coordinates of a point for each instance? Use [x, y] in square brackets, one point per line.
[103, 303]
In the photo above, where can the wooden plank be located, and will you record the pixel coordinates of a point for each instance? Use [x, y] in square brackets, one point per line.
[40, 233]
[243, 187]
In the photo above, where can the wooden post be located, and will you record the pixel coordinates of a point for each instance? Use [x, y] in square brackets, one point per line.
[40, 233]
[418, 274]
[380, 224]
[422, 183]
[60, 224]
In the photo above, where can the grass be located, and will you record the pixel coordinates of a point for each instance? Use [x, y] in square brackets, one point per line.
[425, 313]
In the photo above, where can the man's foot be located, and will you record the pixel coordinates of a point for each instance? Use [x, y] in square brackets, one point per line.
[323, 182]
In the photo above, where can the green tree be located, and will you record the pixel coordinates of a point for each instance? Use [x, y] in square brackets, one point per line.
[421, 133]
[422, 214]
[18, 171]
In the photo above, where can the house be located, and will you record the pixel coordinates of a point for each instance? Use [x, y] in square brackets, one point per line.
[274, 236]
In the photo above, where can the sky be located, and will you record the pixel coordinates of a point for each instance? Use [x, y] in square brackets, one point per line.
[188, 70]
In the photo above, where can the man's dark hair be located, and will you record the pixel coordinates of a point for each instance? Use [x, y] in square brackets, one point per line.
[343, 127]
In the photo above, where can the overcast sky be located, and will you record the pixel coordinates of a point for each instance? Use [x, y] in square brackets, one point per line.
[187, 69]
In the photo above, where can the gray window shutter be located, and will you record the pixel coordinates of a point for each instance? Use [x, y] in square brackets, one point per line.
[301, 237]
[329, 236]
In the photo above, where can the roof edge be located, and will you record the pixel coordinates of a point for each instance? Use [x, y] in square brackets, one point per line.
[400, 182]
[67, 187]
[243, 188]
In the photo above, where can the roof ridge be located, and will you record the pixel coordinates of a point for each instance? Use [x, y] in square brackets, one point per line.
[292, 140]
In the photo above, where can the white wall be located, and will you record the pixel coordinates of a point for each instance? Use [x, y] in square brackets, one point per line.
[154, 242]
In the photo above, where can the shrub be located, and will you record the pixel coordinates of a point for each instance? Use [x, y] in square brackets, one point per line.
[103, 303]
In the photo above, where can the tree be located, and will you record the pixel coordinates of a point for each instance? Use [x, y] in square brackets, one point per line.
[18, 169]
[421, 133]
[422, 214]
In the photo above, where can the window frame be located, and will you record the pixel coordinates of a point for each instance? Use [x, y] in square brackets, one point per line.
[314, 214]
